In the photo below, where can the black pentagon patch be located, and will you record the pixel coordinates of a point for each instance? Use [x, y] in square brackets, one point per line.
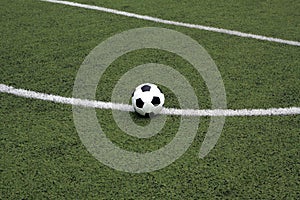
[155, 101]
[146, 88]
[139, 103]
[149, 115]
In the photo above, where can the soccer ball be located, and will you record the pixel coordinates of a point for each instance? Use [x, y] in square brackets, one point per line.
[147, 99]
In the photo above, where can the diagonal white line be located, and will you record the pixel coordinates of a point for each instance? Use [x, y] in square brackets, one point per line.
[163, 21]
[64, 100]
[129, 108]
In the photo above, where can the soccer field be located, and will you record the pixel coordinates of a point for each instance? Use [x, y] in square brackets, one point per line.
[255, 46]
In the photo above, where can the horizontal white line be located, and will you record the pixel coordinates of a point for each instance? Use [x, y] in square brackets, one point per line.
[230, 112]
[129, 108]
[195, 26]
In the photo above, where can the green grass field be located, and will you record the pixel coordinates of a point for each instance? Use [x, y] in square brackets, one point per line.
[42, 48]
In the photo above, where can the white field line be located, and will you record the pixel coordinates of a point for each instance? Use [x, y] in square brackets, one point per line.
[129, 108]
[163, 21]
[63, 100]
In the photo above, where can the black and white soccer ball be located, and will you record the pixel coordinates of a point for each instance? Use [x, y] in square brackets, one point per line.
[147, 99]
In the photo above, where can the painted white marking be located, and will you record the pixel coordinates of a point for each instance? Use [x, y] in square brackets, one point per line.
[230, 112]
[64, 100]
[163, 21]
[129, 108]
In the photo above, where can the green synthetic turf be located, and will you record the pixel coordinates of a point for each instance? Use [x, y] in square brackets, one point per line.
[43, 46]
